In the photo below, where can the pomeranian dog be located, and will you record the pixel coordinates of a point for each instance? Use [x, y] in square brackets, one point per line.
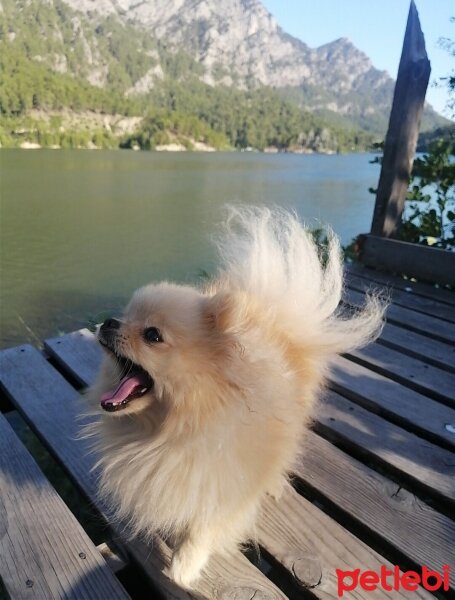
[205, 393]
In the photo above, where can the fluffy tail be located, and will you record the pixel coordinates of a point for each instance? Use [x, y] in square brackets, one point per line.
[269, 254]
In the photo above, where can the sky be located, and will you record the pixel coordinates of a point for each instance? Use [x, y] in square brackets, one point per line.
[376, 28]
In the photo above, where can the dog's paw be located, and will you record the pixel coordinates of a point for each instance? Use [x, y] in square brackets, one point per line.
[187, 564]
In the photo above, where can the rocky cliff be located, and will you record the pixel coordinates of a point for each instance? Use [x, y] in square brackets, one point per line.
[132, 46]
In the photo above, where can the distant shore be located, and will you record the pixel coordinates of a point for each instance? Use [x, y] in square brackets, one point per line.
[92, 130]
[199, 147]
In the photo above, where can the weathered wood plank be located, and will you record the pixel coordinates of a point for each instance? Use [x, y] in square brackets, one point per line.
[410, 319]
[403, 298]
[301, 554]
[52, 407]
[385, 498]
[414, 288]
[70, 349]
[409, 456]
[386, 509]
[310, 544]
[396, 402]
[403, 130]
[409, 371]
[414, 260]
[44, 552]
[433, 352]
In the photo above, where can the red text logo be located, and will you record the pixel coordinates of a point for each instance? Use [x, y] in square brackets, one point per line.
[393, 580]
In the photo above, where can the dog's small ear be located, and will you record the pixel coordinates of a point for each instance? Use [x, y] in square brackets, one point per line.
[222, 318]
[218, 311]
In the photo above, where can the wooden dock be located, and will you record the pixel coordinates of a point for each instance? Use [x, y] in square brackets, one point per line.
[376, 485]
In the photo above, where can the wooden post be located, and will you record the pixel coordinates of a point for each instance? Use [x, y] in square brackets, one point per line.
[401, 139]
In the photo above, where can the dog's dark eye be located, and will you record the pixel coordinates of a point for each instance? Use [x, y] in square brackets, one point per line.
[152, 335]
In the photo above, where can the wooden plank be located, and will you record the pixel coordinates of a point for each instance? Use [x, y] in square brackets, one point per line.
[404, 298]
[414, 260]
[410, 457]
[44, 552]
[297, 534]
[396, 402]
[310, 544]
[385, 497]
[419, 346]
[416, 288]
[70, 348]
[51, 406]
[433, 351]
[414, 373]
[403, 130]
[407, 318]
[381, 506]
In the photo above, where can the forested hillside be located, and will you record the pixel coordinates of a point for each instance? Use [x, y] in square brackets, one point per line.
[88, 78]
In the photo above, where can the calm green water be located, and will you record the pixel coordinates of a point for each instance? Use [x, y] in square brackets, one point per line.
[80, 230]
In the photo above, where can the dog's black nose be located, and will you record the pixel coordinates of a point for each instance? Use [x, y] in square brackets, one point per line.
[111, 324]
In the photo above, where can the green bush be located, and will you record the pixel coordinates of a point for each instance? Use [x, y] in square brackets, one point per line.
[430, 212]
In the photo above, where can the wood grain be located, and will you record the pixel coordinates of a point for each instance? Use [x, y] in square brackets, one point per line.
[311, 545]
[52, 408]
[409, 371]
[76, 348]
[436, 353]
[382, 506]
[396, 402]
[416, 288]
[409, 456]
[44, 552]
[407, 299]
[415, 260]
[435, 293]
[410, 319]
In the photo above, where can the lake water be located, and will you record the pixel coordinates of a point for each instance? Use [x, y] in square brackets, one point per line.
[80, 230]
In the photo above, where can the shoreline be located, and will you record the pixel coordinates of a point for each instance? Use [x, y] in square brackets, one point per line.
[177, 148]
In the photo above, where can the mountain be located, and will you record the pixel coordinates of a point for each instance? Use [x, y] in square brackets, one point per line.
[239, 43]
[130, 50]
[426, 139]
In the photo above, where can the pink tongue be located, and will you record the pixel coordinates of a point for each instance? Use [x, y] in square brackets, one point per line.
[126, 387]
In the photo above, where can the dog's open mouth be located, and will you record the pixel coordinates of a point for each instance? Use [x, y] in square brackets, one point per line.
[134, 384]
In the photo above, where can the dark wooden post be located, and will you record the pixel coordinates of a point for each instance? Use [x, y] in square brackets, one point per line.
[401, 139]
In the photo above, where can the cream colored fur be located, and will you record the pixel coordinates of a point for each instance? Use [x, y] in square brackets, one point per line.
[236, 380]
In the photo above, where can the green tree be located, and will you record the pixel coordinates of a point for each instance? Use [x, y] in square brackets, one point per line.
[430, 210]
